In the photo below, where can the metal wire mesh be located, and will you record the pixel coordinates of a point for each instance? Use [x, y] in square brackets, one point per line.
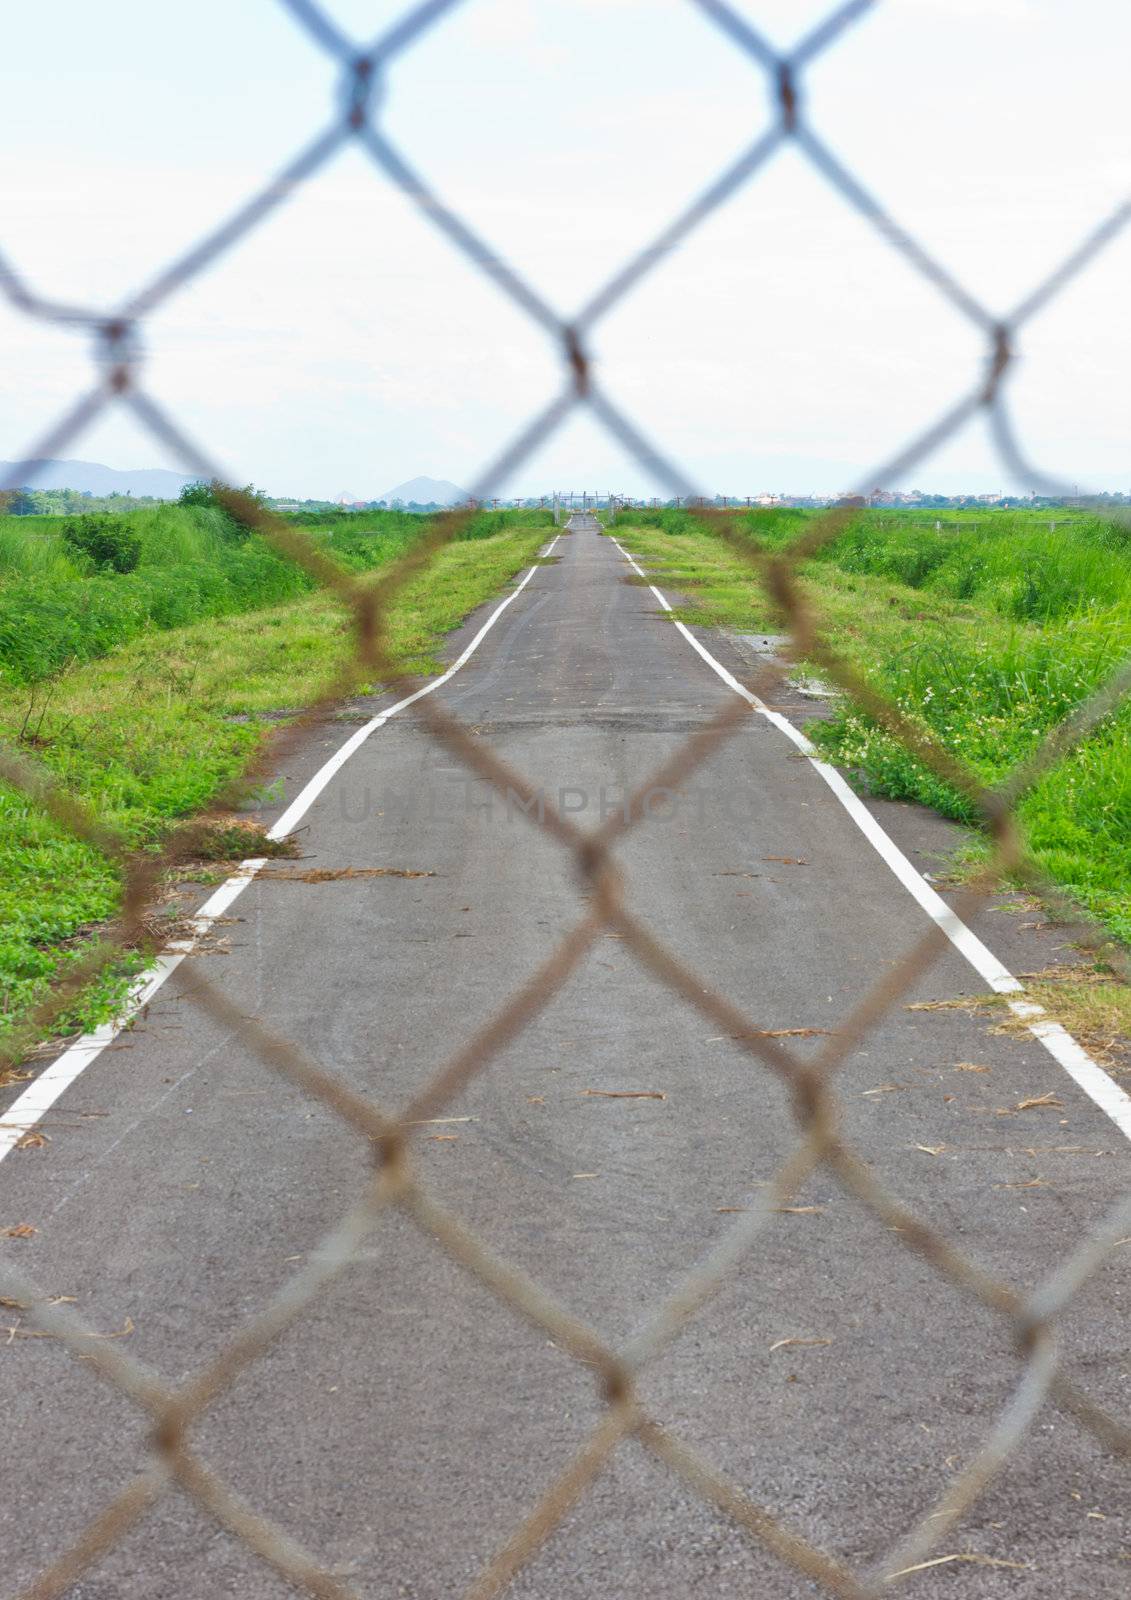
[1031, 1318]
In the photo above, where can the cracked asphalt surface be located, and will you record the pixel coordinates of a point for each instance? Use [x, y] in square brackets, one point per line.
[405, 1424]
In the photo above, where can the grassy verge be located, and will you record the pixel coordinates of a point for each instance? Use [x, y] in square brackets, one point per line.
[74, 588]
[987, 634]
[149, 733]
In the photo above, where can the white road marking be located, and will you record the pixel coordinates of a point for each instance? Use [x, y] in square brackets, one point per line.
[1064, 1049]
[30, 1107]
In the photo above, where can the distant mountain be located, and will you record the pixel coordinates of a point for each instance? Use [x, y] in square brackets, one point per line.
[93, 478]
[428, 491]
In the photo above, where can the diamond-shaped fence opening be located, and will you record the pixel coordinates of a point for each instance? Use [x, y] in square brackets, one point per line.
[355, 117]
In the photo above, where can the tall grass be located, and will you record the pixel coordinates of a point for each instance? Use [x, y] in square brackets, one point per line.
[58, 608]
[170, 535]
[988, 630]
[1057, 607]
[1031, 566]
[33, 553]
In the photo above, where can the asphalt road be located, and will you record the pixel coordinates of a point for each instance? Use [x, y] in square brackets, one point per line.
[402, 1428]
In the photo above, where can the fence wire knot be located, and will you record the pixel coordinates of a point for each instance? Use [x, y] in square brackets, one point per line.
[787, 96]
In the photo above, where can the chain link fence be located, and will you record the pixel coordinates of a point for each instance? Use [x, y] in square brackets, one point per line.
[395, 1184]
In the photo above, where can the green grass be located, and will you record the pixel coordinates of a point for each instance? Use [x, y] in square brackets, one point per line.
[151, 731]
[987, 631]
[60, 606]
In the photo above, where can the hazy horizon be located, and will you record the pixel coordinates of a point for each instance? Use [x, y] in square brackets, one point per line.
[347, 494]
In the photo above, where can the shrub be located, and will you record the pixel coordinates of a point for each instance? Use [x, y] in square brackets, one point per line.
[110, 544]
[197, 494]
[209, 497]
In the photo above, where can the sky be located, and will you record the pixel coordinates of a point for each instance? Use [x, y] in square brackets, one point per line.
[344, 345]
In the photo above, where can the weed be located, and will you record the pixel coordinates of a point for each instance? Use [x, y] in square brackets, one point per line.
[235, 839]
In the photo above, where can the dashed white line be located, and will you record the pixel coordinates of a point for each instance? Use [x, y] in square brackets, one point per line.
[1101, 1089]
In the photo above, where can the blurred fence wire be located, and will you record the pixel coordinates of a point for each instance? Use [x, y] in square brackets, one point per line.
[394, 1183]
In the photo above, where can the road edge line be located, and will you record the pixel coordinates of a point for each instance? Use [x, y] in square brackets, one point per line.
[29, 1107]
[1066, 1051]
